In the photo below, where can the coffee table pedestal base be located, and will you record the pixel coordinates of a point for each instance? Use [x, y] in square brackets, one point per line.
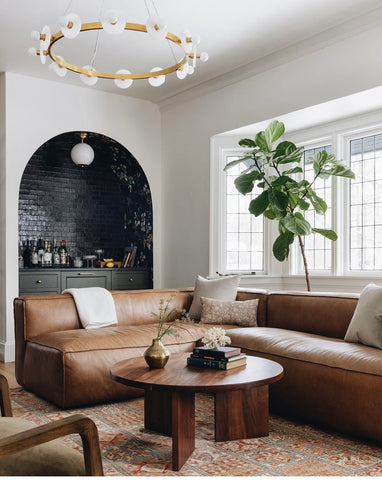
[173, 413]
[238, 414]
[241, 414]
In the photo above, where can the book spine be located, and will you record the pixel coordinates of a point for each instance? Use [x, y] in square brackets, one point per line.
[225, 359]
[206, 363]
[212, 354]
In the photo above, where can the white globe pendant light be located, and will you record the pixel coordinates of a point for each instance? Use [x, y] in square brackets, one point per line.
[82, 154]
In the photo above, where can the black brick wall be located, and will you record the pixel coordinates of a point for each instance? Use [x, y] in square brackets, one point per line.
[104, 205]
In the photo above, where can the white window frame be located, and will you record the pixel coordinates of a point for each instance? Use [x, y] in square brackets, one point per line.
[346, 139]
[285, 275]
[221, 147]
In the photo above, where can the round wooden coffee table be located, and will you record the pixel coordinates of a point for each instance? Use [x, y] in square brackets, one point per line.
[241, 398]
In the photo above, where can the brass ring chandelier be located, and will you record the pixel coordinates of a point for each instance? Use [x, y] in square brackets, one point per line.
[114, 23]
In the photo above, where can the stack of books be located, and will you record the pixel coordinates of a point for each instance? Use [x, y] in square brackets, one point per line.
[221, 358]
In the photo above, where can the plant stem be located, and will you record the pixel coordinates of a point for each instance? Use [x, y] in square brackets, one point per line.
[305, 263]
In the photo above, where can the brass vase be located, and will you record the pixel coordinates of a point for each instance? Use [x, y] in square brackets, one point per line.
[157, 354]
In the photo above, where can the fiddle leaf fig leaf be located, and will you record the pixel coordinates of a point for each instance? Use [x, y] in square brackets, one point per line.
[340, 170]
[293, 170]
[236, 162]
[269, 214]
[259, 204]
[273, 132]
[245, 182]
[283, 180]
[261, 142]
[330, 234]
[282, 244]
[247, 142]
[278, 199]
[297, 224]
[318, 203]
[303, 204]
[288, 153]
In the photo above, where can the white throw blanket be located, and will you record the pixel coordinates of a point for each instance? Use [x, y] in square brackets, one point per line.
[95, 306]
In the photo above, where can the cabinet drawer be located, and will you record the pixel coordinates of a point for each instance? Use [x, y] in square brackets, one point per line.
[130, 280]
[86, 279]
[40, 282]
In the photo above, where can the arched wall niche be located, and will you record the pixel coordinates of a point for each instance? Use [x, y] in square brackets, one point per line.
[105, 205]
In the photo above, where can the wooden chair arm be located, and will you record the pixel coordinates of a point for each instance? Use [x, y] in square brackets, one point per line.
[44, 433]
[5, 398]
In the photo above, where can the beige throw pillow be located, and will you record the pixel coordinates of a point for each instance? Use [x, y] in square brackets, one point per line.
[366, 324]
[222, 288]
[243, 313]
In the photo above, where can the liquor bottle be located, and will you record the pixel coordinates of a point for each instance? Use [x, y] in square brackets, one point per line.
[34, 256]
[56, 255]
[62, 252]
[40, 251]
[27, 255]
[47, 256]
[21, 256]
[68, 260]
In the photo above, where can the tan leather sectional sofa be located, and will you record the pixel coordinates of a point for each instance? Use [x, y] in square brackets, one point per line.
[327, 381]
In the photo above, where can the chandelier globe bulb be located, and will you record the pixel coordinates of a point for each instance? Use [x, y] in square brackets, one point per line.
[32, 52]
[204, 57]
[88, 79]
[156, 27]
[35, 35]
[70, 25]
[157, 81]
[113, 22]
[126, 83]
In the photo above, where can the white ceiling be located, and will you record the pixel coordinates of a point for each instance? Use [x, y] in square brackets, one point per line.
[235, 33]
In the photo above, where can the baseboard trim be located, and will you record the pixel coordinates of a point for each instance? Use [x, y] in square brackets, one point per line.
[7, 352]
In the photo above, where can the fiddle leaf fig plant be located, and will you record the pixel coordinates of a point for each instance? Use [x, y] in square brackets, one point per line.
[286, 194]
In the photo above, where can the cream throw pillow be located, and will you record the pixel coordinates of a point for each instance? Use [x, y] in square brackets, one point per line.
[222, 288]
[243, 313]
[366, 324]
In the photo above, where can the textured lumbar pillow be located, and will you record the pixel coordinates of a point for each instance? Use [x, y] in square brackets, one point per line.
[366, 325]
[222, 288]
[243, 313]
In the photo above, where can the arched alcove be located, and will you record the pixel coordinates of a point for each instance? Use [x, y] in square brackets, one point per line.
[104, 205]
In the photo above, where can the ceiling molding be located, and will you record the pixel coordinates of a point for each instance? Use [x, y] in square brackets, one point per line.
[291, 52]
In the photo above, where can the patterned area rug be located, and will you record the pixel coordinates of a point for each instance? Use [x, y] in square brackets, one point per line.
[291, 449]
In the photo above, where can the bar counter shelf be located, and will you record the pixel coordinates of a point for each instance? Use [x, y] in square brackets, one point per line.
[46, 280]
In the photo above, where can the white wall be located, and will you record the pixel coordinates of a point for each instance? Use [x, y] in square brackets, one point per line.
[3, 283]
[348, 66]
[38, 110]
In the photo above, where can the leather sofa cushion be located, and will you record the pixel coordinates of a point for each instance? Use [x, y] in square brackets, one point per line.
[120, 336]
[308, 347]
[326, 314]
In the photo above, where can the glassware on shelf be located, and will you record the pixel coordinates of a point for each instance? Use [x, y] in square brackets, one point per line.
[89, 260]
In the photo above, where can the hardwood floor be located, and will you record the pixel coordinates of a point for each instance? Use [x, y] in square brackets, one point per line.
[8, 370]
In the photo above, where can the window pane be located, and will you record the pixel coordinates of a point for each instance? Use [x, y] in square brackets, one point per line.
[366, 203]
[232, 222]
[243, 232]
[244, 222]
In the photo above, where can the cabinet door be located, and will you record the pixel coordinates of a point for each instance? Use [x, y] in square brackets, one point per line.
[37, 283]
[85, 279]
[133, 280]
